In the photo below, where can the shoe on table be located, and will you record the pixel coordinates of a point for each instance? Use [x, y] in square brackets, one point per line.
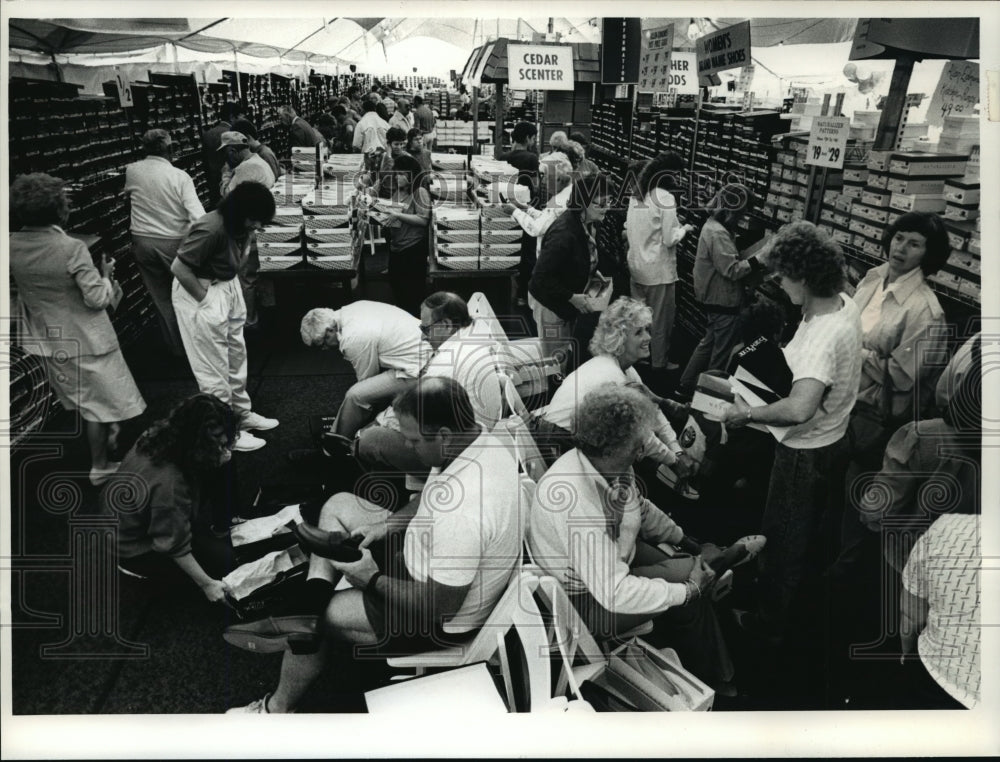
[269, 635]
[247, 442]
[100, 475]
[257, 422]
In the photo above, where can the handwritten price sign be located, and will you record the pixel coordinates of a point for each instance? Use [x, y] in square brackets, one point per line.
[828, 141]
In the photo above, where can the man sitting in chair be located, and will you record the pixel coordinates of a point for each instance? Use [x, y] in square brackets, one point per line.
[463, 349]
[591, 529]
[385, 346]
[427, 574]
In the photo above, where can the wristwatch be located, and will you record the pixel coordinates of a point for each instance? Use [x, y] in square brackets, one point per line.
[749, 414]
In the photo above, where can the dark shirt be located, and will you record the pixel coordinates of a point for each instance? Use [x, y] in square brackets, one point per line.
[301, 134]
[209, 251]
[423, 119]
[563, 267]
[527, 163]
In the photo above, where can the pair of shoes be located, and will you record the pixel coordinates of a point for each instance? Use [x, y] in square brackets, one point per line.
[753, 544]
[100, 475]
[254, 707]
[337, 546]
[257, 422]
[247, 442]
[270, 635]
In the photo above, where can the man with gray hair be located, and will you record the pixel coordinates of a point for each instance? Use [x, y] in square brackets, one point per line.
[242, 165]
[164, 204]
[384, 345]
[300, 132]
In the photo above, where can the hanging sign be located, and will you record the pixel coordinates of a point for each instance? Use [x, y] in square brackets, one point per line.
[728, 48]
[828, 141]
[621, 43]
[540, 67]
[655, 58]
[683, 79]
[957, 92]
[124, 88]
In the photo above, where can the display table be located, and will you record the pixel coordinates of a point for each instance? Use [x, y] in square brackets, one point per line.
[498, 285]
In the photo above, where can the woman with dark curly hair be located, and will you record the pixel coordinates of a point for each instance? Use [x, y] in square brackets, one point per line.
[62, 300]
[208, 300]
[162, 493]
[653, 232]
[807, 478]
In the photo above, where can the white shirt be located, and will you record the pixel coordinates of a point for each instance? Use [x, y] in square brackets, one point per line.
[570, 535]
[653, 230]
[403, 122]
[467, 528]
[164, 201]
[662, 444]
[252, 169]
[375, 336]
[535, 222]
[827, 348]
[943, 569]
[369, 133]
[467, 356]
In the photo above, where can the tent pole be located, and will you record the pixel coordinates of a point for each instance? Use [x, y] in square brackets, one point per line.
[895, 104]
[59, 74]
[498, 122]
[236, 65]
[475, 116]
[177, 67]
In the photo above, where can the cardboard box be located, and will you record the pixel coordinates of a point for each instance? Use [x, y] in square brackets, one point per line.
[598, 292]
[874, 214]
[877, 180]
[855, 173]
[960, 233]
[959, 192]
[911, 185]
[844, 203]
[853, 191]
[961, 211]
[920, 164]
[917, 202]
[878, 161]
[712, 396]
[973, 245]
[876, 197]
[872, 247]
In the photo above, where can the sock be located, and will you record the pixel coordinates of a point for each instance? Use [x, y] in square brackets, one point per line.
[316, 595]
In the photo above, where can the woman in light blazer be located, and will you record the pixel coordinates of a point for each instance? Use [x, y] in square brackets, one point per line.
[63, 298]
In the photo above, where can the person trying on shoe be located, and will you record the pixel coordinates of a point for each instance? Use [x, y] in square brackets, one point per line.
[209, 304]
[411, 593]
[463, 350]
[600, 543]
[161, 497]
[385, 346]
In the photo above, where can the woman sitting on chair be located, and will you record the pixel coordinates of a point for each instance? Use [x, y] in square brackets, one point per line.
[622, 339]
[591, 529]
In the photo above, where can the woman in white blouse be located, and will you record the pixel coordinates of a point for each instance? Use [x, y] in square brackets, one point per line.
[653, 231]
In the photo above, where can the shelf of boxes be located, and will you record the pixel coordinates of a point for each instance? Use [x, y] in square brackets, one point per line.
[454, 133]
[333, 236]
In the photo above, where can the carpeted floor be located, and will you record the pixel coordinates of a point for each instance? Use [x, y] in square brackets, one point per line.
[134, 650]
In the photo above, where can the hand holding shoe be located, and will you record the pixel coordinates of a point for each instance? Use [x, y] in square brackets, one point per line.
[370, 533]
[360, 572]
[336, 546]
[215, 590]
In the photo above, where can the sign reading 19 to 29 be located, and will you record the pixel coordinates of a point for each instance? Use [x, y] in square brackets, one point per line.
[828, 141]
[540, 67]
[728, 48]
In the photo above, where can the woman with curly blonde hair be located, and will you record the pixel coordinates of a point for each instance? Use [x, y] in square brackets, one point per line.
[63, 300]
[810, 462]
[621, 339]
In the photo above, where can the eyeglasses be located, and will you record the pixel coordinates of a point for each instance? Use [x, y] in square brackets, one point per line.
[426, 329]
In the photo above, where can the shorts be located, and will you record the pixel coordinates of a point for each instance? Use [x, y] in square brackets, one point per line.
[400, 632]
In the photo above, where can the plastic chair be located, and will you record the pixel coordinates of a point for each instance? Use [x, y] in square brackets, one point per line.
[516, 610]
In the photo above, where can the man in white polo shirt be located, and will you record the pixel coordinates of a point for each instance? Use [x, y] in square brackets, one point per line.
[383, 344]
[429, 574]
[164, 204]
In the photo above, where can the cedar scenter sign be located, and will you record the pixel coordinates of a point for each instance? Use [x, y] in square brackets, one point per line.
[540, 67]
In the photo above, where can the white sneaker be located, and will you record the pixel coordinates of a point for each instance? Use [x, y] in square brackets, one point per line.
[258, 422]
[254, 707]
[247, 442]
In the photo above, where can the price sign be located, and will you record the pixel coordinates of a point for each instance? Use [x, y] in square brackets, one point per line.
[124, 89]
[828, 141]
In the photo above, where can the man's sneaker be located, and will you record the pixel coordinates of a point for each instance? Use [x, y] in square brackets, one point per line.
[247, 442]
[257, 422]
[254, 707]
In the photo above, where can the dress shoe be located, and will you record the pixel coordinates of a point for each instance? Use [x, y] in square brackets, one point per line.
[269, 635]
[336, 546]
